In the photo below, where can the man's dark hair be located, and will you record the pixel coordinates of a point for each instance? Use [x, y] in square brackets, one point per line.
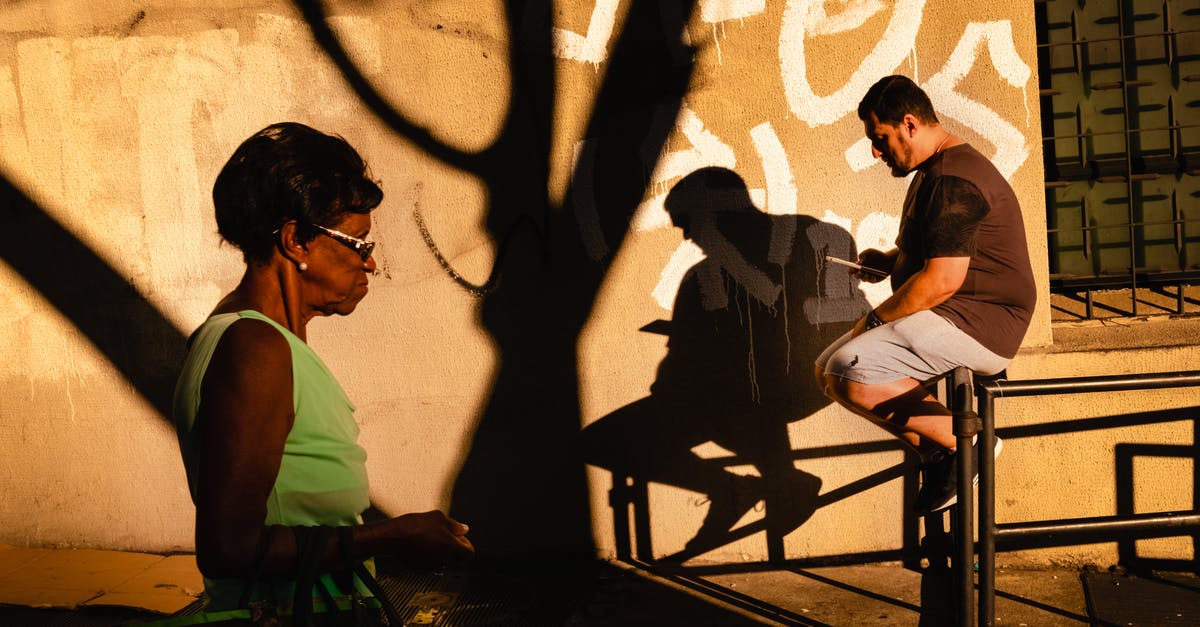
[893, 97]
[289, 171]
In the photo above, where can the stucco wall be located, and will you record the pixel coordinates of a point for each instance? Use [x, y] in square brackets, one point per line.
[115, 117]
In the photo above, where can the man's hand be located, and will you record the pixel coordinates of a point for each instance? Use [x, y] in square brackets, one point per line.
[875, 259]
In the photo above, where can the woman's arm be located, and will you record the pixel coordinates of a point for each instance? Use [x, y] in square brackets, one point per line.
[245, 415]
[244, 418]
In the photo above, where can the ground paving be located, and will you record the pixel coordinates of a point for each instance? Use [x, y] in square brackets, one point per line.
[593, 594]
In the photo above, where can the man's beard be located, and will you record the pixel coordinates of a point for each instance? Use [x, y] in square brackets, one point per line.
[898, 170]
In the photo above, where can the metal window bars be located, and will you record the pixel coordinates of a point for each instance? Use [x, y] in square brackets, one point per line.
[1120, 92]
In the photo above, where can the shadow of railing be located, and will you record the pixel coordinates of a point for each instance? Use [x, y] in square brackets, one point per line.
[936, 601]
[630, 499]
[1126, 454]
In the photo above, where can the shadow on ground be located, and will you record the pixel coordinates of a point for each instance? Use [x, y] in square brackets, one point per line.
[603, 594]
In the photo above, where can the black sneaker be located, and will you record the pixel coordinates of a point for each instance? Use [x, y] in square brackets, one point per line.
[939, 483]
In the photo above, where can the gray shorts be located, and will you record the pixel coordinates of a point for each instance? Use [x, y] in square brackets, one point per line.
[920, 346]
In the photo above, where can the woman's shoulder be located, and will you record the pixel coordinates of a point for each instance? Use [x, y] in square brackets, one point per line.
[219, 323]
[251, 332]
[240, 339]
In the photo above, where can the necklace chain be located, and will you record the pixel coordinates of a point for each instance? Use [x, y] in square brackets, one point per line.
[939, 146]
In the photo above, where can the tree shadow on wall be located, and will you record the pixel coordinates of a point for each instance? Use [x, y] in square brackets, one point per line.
[522, 485]
[137, 338]
[748, 322]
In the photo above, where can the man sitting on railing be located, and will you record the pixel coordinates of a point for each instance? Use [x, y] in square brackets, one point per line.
[962, 286]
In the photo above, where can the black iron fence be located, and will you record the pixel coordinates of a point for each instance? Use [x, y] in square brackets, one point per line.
[1124, 527]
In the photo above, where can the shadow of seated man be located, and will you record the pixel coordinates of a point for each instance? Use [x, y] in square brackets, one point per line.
[747, 320]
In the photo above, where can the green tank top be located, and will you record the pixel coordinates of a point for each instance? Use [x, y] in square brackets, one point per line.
[322, 478]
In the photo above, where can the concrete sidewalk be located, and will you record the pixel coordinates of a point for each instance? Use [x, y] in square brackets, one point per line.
[96, 588]
[877, 594]
[83, 578]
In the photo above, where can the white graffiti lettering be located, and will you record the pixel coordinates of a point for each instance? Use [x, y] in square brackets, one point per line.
[809, 17]
[716, 11]
[686, 255]
[878, 230]
[1011, 151]
[802, 21]
[592, 47]
[706, 150]
[781, 188]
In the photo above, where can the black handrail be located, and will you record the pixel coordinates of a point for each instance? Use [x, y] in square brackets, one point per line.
[1070, 531]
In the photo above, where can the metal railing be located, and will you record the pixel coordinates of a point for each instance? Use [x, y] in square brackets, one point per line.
[1063, 532]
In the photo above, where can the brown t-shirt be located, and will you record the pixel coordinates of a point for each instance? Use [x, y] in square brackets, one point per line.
[959, 205]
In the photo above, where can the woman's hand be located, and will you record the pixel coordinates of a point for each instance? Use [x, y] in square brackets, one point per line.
[429, 540]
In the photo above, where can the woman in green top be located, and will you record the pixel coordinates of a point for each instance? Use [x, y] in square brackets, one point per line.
[268, 436]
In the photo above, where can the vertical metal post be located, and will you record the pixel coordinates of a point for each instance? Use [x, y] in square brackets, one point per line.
[987, 510]
[1195, 490]
[1126, 42]
[1180, 523]
[965, 428]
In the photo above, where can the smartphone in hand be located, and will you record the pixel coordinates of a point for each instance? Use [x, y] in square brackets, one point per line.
[856, 266]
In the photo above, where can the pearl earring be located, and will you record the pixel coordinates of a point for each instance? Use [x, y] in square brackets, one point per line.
[303, 266]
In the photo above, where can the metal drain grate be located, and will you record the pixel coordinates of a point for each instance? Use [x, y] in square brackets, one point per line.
[463, 599]
[1115, 599]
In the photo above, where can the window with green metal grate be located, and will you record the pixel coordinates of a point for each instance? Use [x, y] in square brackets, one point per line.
[1120, 97]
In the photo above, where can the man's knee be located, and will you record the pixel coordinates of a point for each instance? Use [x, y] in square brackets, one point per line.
[862, 396]
[819, 377]
[833, 386]
[847, 393]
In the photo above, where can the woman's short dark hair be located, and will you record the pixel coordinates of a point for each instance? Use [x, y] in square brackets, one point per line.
[289, 171]
[893, 97]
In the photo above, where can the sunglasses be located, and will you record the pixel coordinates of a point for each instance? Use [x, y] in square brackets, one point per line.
[361, 246]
